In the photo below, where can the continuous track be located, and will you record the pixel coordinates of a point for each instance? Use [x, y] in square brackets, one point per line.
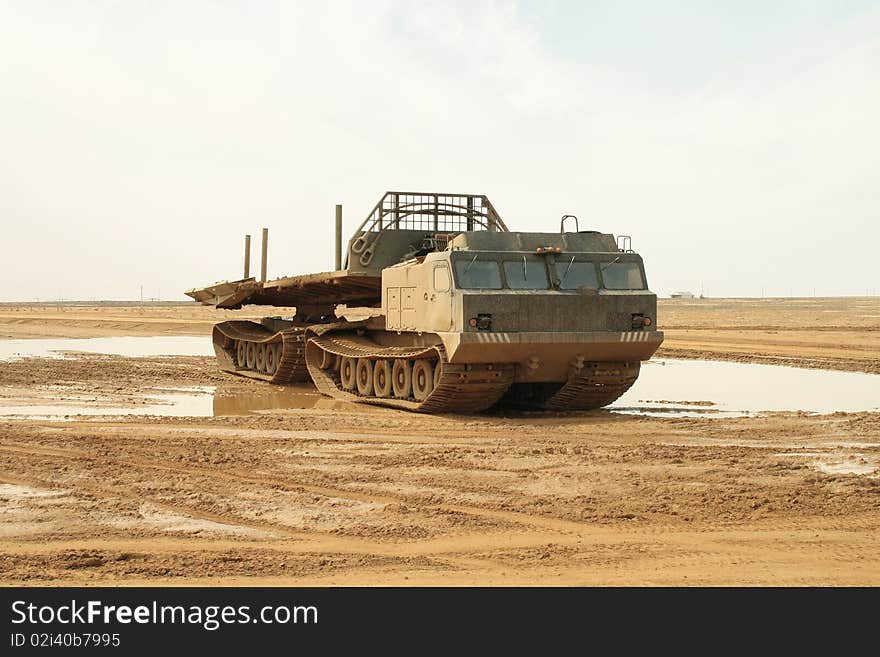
[454, 389]
[238, 345]
[319, 354]
[595, 386]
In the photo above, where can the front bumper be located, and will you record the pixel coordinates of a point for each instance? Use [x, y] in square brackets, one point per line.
[549, 356]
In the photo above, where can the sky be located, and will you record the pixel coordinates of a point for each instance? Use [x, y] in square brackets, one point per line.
[738, 143]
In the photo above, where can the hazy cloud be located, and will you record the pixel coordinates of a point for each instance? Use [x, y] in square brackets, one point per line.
[140, 141]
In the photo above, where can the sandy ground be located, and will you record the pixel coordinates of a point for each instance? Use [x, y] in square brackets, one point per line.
[837, 333]
[90, 321]
[343, 495]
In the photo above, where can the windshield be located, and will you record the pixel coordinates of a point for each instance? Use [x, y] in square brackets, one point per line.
[622, 276]
[573, 275]
[478, 274]
[526, 274]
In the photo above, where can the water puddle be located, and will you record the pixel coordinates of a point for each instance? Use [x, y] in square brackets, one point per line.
[670, 387]
[683, 388]
[14, 491]
[849, 466]
[701, 388]
[131, 346]
[187, 403]
[202, 401]
[832, 462]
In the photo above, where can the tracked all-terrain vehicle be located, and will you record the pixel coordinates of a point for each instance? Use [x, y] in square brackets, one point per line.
[439, 308]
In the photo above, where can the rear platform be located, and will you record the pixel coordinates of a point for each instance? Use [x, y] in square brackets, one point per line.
[323, 290]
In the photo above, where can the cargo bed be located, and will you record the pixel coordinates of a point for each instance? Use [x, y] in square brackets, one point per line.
[323, 289]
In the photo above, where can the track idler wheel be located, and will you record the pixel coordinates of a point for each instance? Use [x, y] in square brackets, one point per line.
[328, 360]
[401, 378]
[438, 371]
[382, 378]
[347, 373]
[422, 379]
[364, 374]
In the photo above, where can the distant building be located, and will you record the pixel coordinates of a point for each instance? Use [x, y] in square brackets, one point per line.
[681, 295]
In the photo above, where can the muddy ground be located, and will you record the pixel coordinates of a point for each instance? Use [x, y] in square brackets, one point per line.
[344, 495]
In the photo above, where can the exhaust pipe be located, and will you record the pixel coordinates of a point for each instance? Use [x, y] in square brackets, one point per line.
[247, 256]
[265, 251]
[338, 237]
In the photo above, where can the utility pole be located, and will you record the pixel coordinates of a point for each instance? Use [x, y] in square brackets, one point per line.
[265, 253]
[247, 256]
[338, 242]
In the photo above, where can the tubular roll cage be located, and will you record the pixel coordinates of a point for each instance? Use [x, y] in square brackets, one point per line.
[432, 212]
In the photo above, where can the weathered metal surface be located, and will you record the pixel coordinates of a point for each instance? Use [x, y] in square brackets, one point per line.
[225, 294]
[324, 289]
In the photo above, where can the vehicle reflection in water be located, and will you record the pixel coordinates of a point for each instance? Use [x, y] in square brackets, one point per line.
[288, 397]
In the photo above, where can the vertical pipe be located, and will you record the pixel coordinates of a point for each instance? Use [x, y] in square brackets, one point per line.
[265, 251]
[247, 256]
[338, 237]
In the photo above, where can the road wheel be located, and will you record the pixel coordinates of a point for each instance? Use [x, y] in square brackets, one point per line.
[365, 376]
[401, 378]
[241, 353]
[382, 378]
[273, 355]
[261, 357]
[251, 355]
[422, 379]
[347, 373]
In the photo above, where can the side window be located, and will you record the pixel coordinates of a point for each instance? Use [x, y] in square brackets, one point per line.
[441, 278]
[477, 274]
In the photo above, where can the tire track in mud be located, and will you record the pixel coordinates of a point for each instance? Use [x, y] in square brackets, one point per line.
[502, 517]
[477, 554]
[394, 427]
[455, 551]
[79, 487]
[610, 554]
[366, 435]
